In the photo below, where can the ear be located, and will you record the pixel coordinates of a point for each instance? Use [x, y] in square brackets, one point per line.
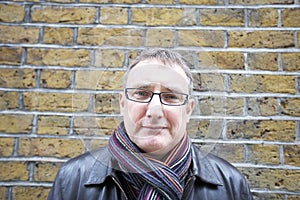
[190, 107]
[121, 101]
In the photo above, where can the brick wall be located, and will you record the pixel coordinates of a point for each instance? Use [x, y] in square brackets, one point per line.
[61, 63]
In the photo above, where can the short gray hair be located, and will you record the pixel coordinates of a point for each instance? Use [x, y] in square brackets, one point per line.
[166, 56]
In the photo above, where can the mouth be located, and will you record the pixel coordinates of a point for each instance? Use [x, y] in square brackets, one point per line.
[154, 127]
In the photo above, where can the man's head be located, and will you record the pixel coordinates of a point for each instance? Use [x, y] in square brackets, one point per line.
[156, 103]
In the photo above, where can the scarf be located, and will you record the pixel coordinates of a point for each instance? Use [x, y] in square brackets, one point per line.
[146, 178]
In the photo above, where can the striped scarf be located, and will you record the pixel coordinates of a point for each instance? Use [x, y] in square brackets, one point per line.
[146, 178]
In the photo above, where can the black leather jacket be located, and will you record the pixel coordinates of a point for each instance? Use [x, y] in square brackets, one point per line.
[92, 176]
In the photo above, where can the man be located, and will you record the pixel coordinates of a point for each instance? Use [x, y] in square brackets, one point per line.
[149, 155]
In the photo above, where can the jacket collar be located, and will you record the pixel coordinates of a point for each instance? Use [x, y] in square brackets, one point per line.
[105, 166]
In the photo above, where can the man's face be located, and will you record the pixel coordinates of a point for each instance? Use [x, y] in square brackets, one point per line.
[154, 127]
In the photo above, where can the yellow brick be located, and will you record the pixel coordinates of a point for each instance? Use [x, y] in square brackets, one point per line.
[291, 17]
[110, 36]
[11, 13]
[111, 15]
[13, 171]
[161, 2]
[263, 61]
[209, 82]
[261, 39]
[95, 126]
[263, 17]
[10, 55]
[222, 17]
[221, 60]
[107, 103]
[257, 2]
[60, 102]
[6, 146]
[291, 154]
[290, 106]
[3, 193]
[233, 153]
[290, 61]
[62, 36]
[263, 154]
[18, 34]
[109, 58]
[58, 125]
[200, 38]
[262, 130]
[9, 100]
[69, 15]
[61, 57]
[62, 1]
[44, 171]
[55, 79]
[105, 80]
[15, 123]
[202, 2]
[112, 1]
[160, 37]
[60, 148]
[263, 106]
[263, 83]
[164, 16]
[19, 78]
[29, 193]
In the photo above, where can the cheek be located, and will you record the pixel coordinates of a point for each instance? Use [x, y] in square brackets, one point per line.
[135, 111]
[175, 117]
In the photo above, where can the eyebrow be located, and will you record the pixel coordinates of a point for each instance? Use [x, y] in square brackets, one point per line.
[170, 89]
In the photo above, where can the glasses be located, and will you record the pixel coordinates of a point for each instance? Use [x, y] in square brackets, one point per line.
[166, 98]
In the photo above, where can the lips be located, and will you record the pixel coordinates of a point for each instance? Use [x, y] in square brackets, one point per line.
[154, 127]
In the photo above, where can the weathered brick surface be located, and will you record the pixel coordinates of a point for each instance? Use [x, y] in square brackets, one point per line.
[61, 70]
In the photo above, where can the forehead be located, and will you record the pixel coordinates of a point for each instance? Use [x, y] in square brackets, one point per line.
[153, 73]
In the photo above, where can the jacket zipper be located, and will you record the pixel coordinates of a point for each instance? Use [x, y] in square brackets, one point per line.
[118, 184]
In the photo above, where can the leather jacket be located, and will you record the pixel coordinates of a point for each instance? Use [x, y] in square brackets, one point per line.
[93, 176]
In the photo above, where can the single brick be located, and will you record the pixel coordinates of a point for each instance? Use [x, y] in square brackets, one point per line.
[58, 125]
[261, 39]
[263, 17]
[29, 193]
[209, 82]
[222, 17]
[254, 2]
[290, 17]
[14, 171]
[110, 36]
[7, 147]
[19, 34]
[265, 106]
[63, 36]
[109, 58]
[221, 60]
[59, 102]
[12, 13]
[291, 154]
[290, 106]
[263, 154]
[107, 104]
[60, 57]
[200, 38]
[9, 100]
[290, 61]
[262, 130]
[113, 15]
[221, 106]
[160, 37]
[112, 1]
[263, 61]
[205, 129]
[45, 171]
[18, 78]
[3, 192]
[262, 83]
[233, 153]
[202, 2]
[94, 144]
[272, 179]
[91, 126]
[15, 123]
[161, 2]
[164, 16]
[55, 79]
[65, 15]
[105, 80]
[10, 55]
[60, 148]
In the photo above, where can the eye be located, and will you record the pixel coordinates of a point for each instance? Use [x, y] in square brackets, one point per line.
[171, 97]
[141, 94]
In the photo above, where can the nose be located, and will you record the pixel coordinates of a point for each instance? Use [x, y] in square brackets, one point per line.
[154, 109]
